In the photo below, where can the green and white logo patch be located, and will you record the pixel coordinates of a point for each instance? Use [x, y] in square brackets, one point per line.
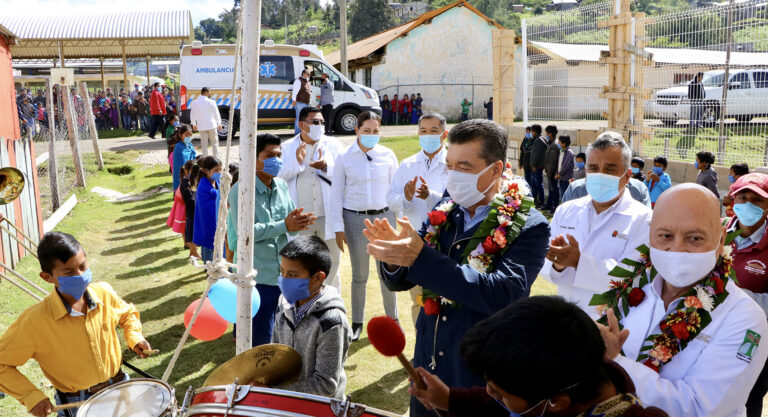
[748, 346]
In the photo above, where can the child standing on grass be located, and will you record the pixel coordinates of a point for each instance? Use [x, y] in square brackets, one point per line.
[183, 151]
[311, 318]
[187, 190]
[206, 205]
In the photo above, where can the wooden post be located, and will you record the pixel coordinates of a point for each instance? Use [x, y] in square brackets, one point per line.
[103, 80]
[52, 173]
[251, 15]
[92, 125]
[148, 83]
[504, 76]
[72, 132]
[343, 37]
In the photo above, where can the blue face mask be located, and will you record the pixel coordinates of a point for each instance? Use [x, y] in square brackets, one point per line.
[369, 141]
[528, 135]
[75, 286]
[602, 187]
[216, 176]
[580, 165]
[696, 164]
[176, 124]
[272, 165]
[635, 170]
[559, 146]
[748, 213]
[188, 140]
[658, 170]
[294, 289]
[430, 143]
[731, 179]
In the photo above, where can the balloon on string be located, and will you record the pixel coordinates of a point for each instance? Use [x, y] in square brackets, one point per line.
[223, 296]
[209, 325]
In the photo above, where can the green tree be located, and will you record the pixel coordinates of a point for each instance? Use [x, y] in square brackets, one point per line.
[368, 17]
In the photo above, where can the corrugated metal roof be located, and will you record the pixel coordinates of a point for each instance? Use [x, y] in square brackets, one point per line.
[591, 53]
[175, 24]
[4, 31]
[370, 44]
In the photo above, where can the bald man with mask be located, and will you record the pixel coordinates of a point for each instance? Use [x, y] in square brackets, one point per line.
[713, 374]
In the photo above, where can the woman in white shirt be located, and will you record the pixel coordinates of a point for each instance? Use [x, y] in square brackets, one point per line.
[361, 178]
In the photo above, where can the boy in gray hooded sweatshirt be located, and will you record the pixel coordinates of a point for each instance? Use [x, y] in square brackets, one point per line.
[311, 318]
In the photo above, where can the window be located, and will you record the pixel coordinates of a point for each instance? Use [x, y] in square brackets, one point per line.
[743, 79]
[317, 70]
[761, 79]
[276, 70]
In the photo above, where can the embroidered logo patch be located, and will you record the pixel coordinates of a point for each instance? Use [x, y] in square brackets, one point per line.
[748, 346]
[756, 267]
[619, 235]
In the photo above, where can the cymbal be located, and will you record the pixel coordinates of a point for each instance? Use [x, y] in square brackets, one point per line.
[11, 184]
[271, 365]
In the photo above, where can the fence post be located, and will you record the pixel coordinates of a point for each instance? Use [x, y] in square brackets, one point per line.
[524, 24]
[69, 114]
[91, 124]
[504, 76]
[52, 173]
[726, 85]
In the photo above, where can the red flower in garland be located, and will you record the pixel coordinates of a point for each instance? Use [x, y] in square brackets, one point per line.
[719, 285]
[635, 297]
[651, 364]
[431, 306]
[436, 217]
[681, 331]
[490, 247]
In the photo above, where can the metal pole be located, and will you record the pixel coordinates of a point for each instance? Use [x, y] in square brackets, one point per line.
[52, 173]
[251, 11]
[524, 28]
[91, 125]
[726, 85]
[343, 37]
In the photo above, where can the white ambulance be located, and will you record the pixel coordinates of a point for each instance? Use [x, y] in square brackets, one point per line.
[212, 66]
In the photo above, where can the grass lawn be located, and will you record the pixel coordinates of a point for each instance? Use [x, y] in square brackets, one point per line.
[129, 246]
[745, 143]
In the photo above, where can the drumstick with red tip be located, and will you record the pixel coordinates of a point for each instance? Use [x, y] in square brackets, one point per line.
[388, 338]
[67, 406]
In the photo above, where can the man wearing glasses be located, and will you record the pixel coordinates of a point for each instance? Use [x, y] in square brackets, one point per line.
[308, 160]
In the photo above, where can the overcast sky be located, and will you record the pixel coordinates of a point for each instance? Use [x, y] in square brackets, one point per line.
[201, 9]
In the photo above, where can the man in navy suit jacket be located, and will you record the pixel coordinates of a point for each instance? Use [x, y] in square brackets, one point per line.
[475, 162]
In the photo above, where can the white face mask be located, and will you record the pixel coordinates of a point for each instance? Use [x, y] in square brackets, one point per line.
[316, 132]
[462, 187]
[682, 269]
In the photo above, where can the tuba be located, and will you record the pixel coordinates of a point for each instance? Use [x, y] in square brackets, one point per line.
[11, 184]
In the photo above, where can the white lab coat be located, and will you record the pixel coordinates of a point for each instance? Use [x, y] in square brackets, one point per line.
[708, 378]
[204, 113]
[605, 240]
[291, 168]
[436, 176]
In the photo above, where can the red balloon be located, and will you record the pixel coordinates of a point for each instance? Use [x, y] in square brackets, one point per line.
[209, 325]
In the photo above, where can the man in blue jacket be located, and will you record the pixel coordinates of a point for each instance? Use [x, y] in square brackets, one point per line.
[475, 162]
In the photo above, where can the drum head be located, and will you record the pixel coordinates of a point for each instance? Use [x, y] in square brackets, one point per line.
[135, 398]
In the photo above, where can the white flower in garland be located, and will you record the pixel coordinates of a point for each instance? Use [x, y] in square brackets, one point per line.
[706, 299]
[445, 207]
[477, 264]
[728, 252]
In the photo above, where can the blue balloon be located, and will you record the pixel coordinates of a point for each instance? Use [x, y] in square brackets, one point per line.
[223, 296]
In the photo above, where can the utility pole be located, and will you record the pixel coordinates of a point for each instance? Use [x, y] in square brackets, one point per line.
[285, 25]
[343, 37]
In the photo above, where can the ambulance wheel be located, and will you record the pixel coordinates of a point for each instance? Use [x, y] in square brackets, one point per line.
[346, 121]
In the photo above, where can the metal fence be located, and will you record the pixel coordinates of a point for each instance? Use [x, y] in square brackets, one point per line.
[563, 78]
[728, 45]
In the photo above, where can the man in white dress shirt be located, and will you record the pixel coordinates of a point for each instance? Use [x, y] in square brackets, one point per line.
[592, 234]
[308, 161]
[205, 117]
[713, 374]
[419, 182]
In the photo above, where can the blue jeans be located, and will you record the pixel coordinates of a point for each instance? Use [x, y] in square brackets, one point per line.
[126, 121]
[697, 111]
[264, 320]
[538, 185]
[528, 175]
[145, 123]
[563, 187]
[206, 253]
[553, 199]
[299, 107]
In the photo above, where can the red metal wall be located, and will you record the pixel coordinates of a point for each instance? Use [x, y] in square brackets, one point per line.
[9, 116]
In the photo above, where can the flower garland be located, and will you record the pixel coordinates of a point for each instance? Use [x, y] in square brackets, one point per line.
[691, 315]
[506, 218]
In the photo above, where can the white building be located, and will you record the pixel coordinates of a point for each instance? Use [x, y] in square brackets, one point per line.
[445, 54]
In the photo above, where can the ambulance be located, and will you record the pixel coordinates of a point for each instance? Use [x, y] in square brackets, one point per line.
[212, 66]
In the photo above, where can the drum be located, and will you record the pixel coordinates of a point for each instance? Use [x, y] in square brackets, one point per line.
[135, 398]
[248, 401]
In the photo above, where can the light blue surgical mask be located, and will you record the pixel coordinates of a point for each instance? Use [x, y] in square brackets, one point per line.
[75, 285]
[188, 140]
[559, 146]
[216, 176]
[635, 170]
[748, 213]
[176, 124]
[369, 141]
[602, 187]
[580, 165]
[696, 164]
[731, 179]
[430, 143]
[294, 289]
[273, 165]
[658, 170]
[528, 135]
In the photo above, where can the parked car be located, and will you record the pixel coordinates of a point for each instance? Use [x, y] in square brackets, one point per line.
[747, 98]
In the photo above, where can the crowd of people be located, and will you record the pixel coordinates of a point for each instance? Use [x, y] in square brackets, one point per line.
[661, 302]
[401, 111]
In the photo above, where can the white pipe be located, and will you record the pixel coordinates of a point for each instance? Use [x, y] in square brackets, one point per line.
[11, 270]
[524, 24]
[251, 15]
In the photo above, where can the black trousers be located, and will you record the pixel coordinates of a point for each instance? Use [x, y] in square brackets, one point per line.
[755, 399]
[157, 123]
[328, 117]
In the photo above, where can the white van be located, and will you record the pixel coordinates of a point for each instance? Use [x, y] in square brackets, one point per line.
[212, 66]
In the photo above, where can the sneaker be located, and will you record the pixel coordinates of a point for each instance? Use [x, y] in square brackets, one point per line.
[357, 330]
